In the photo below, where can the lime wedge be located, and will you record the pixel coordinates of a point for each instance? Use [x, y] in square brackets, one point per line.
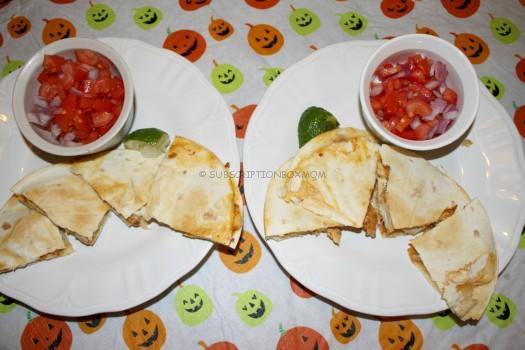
[314, 121]
[151, 142]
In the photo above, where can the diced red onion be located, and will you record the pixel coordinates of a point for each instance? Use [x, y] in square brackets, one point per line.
[56, 111]
[93, 74]
[442, 126]
[44, 118]
[438, 105]
[410, 95]
[70, 143]
[432, 69]
[431, 85]
[440, 72]
[380, 113]
[55, 130]
[452, 114]
[400, 74]
[449, 107]
[76, 91]
[375, 79]
[437, 94]
[46, 135]
[415, 123]
[432, 132]
[61, 75]
[376, 89]
[442, 88]
[55, 102]
[40, 102]
[32, 118]
[70, 136]
[87, 66]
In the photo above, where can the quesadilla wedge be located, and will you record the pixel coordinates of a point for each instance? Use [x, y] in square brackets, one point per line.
[26, 237]
[123, 178]
[288, 219]
[412, 194]
[193, 193]
[335, 174]
[459, 257]
[67, 200]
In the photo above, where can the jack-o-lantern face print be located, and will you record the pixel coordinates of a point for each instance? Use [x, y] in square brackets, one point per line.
[245, 257]
[396, 8]
[265, 39]
[345, 327]
[18, 26]
[57, 29]
[144, 330]
[187, 43]
[400, 334]
[220, 29]
[461, 8]
[475, 48]
[46, 333]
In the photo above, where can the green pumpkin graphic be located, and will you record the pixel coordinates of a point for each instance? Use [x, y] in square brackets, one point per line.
[303, 21]
[6, 304]
[495, 87]
[100, 16]
[501, 310]
[193, 305]
[147, 17]
[253, 307]
[504, 30]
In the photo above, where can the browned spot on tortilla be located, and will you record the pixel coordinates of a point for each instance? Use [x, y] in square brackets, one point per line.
[476, 233]
[6, 226]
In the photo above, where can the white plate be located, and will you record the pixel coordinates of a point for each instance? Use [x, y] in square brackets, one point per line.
[366, 275]
[126, 266]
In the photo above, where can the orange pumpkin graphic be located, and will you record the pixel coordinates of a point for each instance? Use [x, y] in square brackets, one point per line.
[92, 324]
[461, 8]
[475, 48]
[18, 26]
[262, 4]
[265, 39]
[300, 290]
[62, 1]
[187, 43]
[345, 327]
[471, 347]
[192, 5]
[56, 29]
[520, 68]
[220, 29]
[143, 329]
[241, 117]
[396, 8]
[222, 345]
[302, 338]
[400, 334]
[245, 257]
[519, 119]
[46, 333]
[426, 30]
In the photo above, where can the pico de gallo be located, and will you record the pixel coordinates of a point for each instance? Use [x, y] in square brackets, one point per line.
[411, 98]
[78, 100]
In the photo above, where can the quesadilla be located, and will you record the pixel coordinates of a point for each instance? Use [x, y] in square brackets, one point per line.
[411, 194]
[334, 176]
[123, 178]
[193, 193]
[26, 237]
[287, 219]
[67, 200]
[459, 257]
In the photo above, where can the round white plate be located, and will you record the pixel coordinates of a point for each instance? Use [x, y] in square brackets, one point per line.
[375, 276]
[126, 266]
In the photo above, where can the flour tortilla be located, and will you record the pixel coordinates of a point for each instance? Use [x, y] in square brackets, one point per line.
[459, 256]
[193, 193]
[335, 176]
[123, 178]
[412, 194]
[26, 237]
[67, 200]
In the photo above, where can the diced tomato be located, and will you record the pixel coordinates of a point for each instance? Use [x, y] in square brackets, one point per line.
[417, 75]
[104, 74]
[101, 118]
[85, 102]
[103, 86]
[418, 107]
[104, 129]
[52, 63]
[69, 103]
[87, 57]
[64, 121]
[102, 105]
[82, 122]
[376, 104]
[421, 63]
[450, 96]
[117, 90]
[88, 87]
[50, 90]
[92, 136]
[116, 110]
[387, 70]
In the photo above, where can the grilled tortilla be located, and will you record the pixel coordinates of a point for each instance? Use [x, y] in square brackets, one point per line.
[335, 176]
[459, 256]
[67, 200]
[27, 236]
[194, 194]
[287, 219]
[411, 194]
[123, 178]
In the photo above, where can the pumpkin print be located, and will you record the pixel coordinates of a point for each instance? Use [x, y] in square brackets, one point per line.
[18, 26]
[56, 29]
[253, 307]
[461, 8]
[353, 23]
[302, 338]
[222, 345]
[396, 8]
[520, 68]
[226, 77]
[504, 30]
[100, 16]
[241, 117]
[426, 30]
[147, 17]
[270, 74]
[303, 21]
[501, 310]
[62, 1]
[521, 245]
[300, 290]
[143, 329]
[262, 4]
[220, 29]
[4, 3]
[471, 347]
[245, 257]
[519, 121]
[193, 305]
[400, 334]
[475, 48]
[10, 67]
[345, 327]
[46, 333]
[187, 43]
[92, 324]
[495, 87]
[265, 39]
[192, 5]
[444, 320]
[1, 39]
[6, 304]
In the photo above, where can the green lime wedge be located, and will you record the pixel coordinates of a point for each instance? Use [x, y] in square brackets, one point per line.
[314, 121]
[151, 142]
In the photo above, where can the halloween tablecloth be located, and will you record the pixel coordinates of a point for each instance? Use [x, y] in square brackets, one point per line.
[487, 31]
